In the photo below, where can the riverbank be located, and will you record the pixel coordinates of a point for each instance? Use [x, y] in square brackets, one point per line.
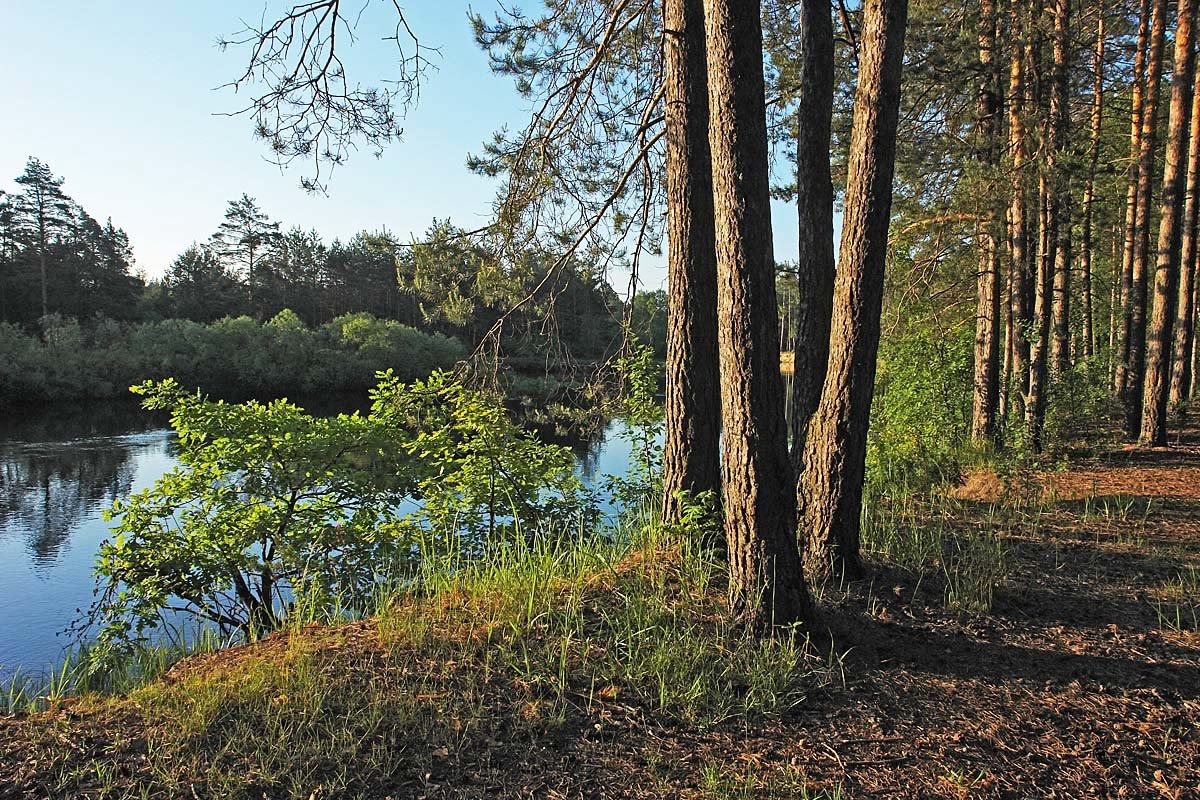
[613, 671]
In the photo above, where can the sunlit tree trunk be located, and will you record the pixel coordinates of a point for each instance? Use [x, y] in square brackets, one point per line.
[837, 443]
[1181, 362]
[1089, 191]
[1061, 204]
[986, 395]
[1160, 336]
[814, 201]
[1121, 371]
[691, 460]
[1053, 235]
[1195, 387]
[1035, 408]
[1020, 307]
[766, 582]
[1136, 361]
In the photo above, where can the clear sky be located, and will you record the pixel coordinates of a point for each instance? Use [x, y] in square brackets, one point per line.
[120, 98]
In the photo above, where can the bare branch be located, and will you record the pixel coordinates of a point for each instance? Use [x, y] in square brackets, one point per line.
[307, 107]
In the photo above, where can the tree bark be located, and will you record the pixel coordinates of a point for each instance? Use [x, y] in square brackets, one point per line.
[1195, 387]
[691, 461]
[1181, 362]
[1060, 207]
[814, 201]
[1136, 362]
[1160, 338]
[837, 444]
[1054, 241]
[1121, 372]
[766, 582]
[1089, 190]
[1020, 307]
[1035, 408]
[986, 394]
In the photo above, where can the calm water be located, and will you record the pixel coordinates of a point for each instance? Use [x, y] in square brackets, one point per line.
[60, 471]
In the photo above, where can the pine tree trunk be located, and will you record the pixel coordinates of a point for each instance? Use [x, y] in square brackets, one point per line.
[1089, 191]
[837, 443]
[1161, 334]
[1009, 340]
[1061, 345]
[986, 395]
[814, 202]
[691, 461]
[1020, 307]
[1121, 372]
[1053, 243]
[1114, 308]
[1181, 362]
[766, 582]
[1136, 362]
[1035, 409]
[1194, 389]
[1060, 206]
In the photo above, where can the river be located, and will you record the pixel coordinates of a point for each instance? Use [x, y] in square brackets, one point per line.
[60, 469]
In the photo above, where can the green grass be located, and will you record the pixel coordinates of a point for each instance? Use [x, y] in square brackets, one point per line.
[719, 783]
[1178, 606]
[24, 693]
[479, 665]
[501, 651]
[926, 535]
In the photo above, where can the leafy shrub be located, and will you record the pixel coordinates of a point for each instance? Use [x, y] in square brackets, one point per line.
[1079, 399]
[921, 416]
[272, 508]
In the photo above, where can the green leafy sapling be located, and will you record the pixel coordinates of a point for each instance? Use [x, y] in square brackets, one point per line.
[267, 502]
[271, 506]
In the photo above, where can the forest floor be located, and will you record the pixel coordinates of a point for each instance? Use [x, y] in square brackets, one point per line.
[1081, 680]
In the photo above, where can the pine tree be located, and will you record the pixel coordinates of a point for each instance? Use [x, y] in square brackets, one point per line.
[243, 238]
[766, 582]
[692, 406]
[1160, 338]
[43, 215]
[835, 461]
[814, 202]
[1189, 262]
[1132, 374]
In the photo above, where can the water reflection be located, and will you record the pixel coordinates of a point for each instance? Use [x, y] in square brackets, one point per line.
[44, 492]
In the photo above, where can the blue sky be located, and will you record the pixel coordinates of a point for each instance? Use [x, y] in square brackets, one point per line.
[120, 98]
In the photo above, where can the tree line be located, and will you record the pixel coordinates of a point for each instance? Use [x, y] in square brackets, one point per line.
[1083, 147]
[56, 261]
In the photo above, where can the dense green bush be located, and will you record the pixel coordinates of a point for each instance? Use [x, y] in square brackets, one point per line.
[234, 358]
[1080, 403]
[921, 417]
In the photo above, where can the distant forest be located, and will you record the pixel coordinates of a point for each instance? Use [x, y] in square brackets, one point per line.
[59, 263]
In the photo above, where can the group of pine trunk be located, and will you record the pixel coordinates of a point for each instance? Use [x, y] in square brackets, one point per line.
[783, 511]
[1026, 334]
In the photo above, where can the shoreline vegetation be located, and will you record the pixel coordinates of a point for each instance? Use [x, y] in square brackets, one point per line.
[237, 358]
